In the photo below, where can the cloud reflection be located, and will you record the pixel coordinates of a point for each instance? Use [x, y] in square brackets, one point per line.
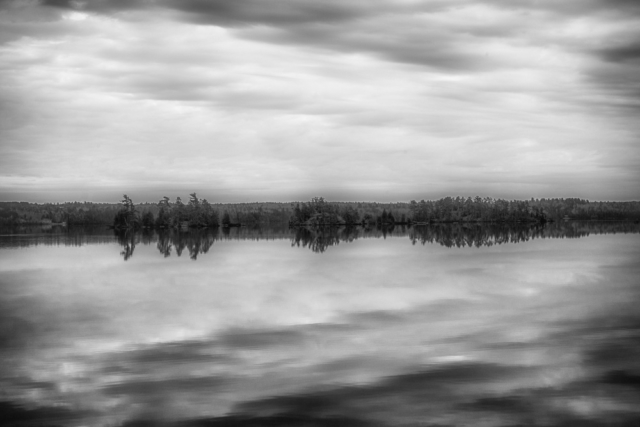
[543, 333]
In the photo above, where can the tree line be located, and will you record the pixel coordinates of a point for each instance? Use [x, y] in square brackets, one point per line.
[487, 209]
[198, 212]
[318, 212]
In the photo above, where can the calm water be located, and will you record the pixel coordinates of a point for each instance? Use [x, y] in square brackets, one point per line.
[446, 326]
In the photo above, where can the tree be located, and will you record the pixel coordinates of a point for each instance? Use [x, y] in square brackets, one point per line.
[195, 214]
[390, 218]
[164, 215]
[148, 221]
[226, 219]
[210, 214]
[178, 214]
[127, 217]
[350, 215]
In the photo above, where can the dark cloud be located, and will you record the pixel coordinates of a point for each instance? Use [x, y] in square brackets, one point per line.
[284, 420]
[624, 6]
[241, 12]
[613, 354]
[458, 391]
[335, 25]
[147, 361]
[221, 349]
[292, 12]
[626, 53]
[173, 360]
[574, 8]
[20, 326]
[303, 12]
[16, 331]
[622, 378]
[24, 382]
[261, 339]
[99, 5]
[150, 389]
[513, 404]
[382, 28]
[425, 47]
[432, 385]
[378, 317]
[59, 3]
[284, 12]
[453, 395]
[240, 339]
[13, 414]
[26, 322]
[173, 352]
[279, 420]
[6, 4]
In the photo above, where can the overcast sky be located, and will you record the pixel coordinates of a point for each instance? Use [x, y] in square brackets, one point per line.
[256, 100]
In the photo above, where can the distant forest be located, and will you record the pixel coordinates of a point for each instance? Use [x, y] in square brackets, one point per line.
[200, 213]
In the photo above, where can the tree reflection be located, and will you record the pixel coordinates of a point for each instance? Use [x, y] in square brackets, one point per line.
[477, 235]
[316, 240]
[127, 239]
[147, 236]
[195, 241]
[47, 235]
[164, 243]
[320, 239]
[457, 235]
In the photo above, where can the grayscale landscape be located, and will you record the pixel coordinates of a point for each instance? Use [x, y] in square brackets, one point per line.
[290, 213]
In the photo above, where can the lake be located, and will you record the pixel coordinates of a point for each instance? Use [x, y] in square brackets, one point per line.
[448, 325]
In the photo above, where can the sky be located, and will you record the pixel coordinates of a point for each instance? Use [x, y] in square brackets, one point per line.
[282, 100]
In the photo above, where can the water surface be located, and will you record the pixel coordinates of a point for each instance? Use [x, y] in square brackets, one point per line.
[442, 325]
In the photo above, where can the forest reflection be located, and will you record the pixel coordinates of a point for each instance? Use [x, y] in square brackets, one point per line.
[33, 235]
[195, 242]
[319, 240]
[477, 235]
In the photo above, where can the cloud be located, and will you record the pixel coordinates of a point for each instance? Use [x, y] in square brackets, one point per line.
[626, 53]
[243, 12]
[506, 404]
[451, 394]
[149, 390]
[498, 98]
[416, 394]
[98, 5]
[261, 339]
[275, 420]
[435, 397]
[286, 12]
[623, 378]
[160, 357]
[14, 414]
